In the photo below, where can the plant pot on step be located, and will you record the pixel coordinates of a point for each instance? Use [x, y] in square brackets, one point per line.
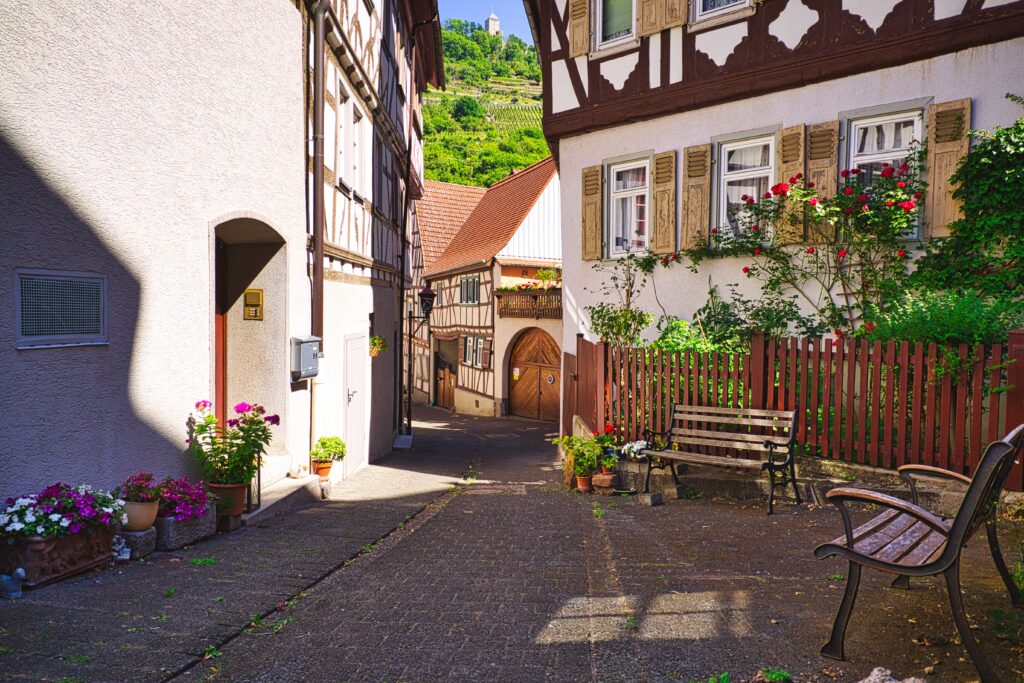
[140, 515]
[323, 468]
[230, 498]
[49, 559]
[607, 470]
[584, 484]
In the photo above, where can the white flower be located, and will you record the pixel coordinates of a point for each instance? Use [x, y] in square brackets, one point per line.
[4, 519]
[108, 510]
[30, 518]
[124, 519]
[16, 526]
[55, 517]
[65, 522]
[40, 530]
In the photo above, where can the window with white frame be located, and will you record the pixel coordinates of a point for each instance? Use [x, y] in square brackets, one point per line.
[357, 145]
[473, 351]
[342, 128]
[629, 198]
[882, 140]
[57, 308]
[711, 8]
[746, 169]
[469, 290]
[615, 21]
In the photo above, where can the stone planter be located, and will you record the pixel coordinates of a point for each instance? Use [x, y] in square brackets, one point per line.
[172, 534]
[50, 559]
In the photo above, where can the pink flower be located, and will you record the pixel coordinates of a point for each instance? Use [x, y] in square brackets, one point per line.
[243, 407]
[203, 405]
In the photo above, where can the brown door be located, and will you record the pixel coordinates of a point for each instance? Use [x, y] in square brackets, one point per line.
[445, 389]
[533, 376]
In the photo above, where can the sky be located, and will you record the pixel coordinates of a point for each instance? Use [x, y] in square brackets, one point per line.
[511, 13]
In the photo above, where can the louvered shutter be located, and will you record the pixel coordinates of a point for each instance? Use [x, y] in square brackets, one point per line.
[789, 160]
[696, 195]
[485, 361]
[663, 236]
[649, 19]
[674, 13]
[823, 157]
[579, 27]
[948, 143]
[591, 213]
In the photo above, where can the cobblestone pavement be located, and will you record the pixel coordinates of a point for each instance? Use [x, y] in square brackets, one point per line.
[509, 578]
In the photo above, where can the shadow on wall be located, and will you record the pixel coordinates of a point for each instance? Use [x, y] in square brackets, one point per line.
[66, 413]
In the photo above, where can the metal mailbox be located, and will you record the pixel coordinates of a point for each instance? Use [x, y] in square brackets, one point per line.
[305, 357]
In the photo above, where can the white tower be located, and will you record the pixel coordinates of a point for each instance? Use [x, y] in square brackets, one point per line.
[493, 24]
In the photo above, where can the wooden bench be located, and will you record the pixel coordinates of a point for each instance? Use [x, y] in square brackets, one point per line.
[702, 435]
[909, 541]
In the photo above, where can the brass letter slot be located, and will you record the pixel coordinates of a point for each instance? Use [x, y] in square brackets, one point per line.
[253, 308]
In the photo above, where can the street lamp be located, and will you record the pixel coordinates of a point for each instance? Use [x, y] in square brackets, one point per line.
[427, 297]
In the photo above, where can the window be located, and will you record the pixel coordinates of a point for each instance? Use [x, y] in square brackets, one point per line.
[60, 309]
[357, 134]
[614, 21]
[473, 351]
[711, 8]
[469, 290]
[882, 140]
[342, 141]
[628, 210]
[746, 168]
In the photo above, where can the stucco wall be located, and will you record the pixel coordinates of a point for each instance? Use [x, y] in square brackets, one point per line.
[983, 73]
[126, 134]
[472, 403]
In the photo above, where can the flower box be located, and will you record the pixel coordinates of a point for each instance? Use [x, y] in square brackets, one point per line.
[52, 558]
[172, 533]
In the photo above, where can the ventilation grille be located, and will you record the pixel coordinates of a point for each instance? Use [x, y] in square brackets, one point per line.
[55, 306]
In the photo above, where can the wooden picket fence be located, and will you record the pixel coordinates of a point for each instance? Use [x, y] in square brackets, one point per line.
[871, 403]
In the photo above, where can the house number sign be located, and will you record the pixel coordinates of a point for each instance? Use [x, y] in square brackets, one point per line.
[515, 374]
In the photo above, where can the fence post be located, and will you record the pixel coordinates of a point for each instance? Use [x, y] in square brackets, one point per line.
[757, 370]
[600, 388]
[1015, 380]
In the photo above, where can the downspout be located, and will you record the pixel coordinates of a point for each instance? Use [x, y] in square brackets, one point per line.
[317, 321]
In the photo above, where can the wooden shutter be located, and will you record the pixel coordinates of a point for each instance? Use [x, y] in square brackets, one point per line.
[790, 160]
[948, 143]
[579, 27]
[485, 361]
[649, 19]
[462, 350]
[663, 234]
[591, 214]
[696, 195]
[674, 14]
[823, 157]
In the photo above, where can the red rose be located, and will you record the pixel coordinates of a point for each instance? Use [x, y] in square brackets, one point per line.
[767, 195]
[849, 210]
[838, 333]
[863, 197]
[842, 253]
[844, 173]
[855, 171]
[813, 201]
[901, 184]
[757, 251]
[754, 228]
[714, 231]
[664, 261]
[799, 176]
[905, 167]
[865, 208]
[902, 253]
[869, 326]
[750, 200]
[594, 433]
[810, 185]
[746, 270]
[917, 195]
[888, 172]
[744, 197]
[848, 191]
[781, 189]
[608, 429]
[810, 250]
[890, 202]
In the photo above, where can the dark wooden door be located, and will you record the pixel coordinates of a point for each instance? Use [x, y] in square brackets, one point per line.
[444, 392]
[534, 373]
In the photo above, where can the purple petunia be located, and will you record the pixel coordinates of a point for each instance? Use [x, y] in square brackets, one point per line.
[273, 419]
[232, 422]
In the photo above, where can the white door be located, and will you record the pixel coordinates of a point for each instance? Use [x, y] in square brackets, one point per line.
[356, 350]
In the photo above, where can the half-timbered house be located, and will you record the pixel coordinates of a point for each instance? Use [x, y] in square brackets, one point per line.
[663, 113]
[495, 348]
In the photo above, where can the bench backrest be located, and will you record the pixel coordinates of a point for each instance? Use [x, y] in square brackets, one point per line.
[705, 429]
[983, 494]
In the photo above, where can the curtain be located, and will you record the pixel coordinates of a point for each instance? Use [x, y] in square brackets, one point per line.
[616, 19]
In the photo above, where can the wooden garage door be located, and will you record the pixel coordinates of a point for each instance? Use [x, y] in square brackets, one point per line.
[534, 376]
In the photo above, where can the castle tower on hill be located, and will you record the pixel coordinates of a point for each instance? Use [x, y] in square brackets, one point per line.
[493, 24]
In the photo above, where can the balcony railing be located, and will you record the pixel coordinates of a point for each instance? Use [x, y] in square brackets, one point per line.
[530, 304]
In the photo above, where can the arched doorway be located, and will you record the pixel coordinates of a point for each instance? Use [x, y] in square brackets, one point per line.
[534, 376]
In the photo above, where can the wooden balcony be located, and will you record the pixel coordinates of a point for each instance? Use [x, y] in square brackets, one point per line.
[530, 304]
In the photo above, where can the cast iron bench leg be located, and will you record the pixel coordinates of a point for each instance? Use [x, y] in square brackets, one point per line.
[901, 581]
[956, 602]
[647, 479]
[833, 649]
[792, 478]
[997, 556]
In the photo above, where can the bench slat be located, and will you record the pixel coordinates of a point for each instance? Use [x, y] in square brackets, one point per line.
[872, 525]
[754, 412]
[929, 547]
[701, 459]
[759, 439]
[780, 423]
[720, 443]
[883, 537]
[897, 549]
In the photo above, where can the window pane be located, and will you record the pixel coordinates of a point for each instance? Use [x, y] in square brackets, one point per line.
[885, 137]
[712, 5]
[748, 158]
[631, 179]
[734, 189]
[630, 229]
[616, 19]
[871, 170]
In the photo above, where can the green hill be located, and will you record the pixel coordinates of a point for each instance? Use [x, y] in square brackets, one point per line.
[488, 121]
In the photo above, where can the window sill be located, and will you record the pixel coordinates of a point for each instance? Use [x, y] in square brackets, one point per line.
[613, 49]
[344, 189]
[721, 19]
[27, 346]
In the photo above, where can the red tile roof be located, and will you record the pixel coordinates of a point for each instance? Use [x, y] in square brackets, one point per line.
[443, 209]
[496, 218]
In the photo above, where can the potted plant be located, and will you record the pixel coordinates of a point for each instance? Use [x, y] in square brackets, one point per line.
[328, 450]
[141, 495]
[58, 532]
[377, 345]
[230, 455]
[609, 459]
[582, 454]
[187, 513]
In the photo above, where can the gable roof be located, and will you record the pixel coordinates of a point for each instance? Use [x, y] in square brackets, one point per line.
[443, 209]
[496, 218]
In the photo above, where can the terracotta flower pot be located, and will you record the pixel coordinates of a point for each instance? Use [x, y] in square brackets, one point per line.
[323, 468]
[584, 483]
[374, 352]
[230, 497]
[607, 470]
[50, 559]
[140, 515]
